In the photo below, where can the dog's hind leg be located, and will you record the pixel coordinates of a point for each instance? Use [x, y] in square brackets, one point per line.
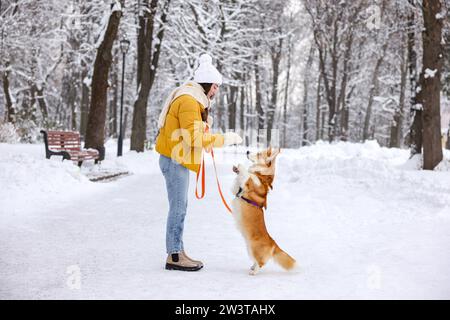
[260, 259]
[254, 269]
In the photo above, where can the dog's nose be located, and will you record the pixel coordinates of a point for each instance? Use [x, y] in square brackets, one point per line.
[248, 152]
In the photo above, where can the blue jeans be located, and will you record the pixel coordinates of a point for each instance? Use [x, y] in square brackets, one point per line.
[177, 185]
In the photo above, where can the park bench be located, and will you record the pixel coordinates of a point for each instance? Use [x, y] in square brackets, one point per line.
[68, 145]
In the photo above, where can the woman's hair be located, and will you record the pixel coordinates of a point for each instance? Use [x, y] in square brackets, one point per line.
[205, 114]
[206, 87]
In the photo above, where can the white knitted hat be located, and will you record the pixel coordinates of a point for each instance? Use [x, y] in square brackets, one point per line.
[206, 72]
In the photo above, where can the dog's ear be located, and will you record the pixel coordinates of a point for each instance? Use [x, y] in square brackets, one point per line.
[275, 152]
[269, 151]
[272, 156]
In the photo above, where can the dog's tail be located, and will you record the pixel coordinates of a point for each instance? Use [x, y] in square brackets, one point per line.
[283, 259]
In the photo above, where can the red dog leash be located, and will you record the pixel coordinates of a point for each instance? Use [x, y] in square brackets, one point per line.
[201, 172]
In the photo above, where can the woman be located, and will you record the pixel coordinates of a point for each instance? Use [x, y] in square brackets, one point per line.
[180, 142]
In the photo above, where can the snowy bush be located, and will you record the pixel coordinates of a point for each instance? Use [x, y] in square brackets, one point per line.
[27, 131]
[23, 131]
[8, 133]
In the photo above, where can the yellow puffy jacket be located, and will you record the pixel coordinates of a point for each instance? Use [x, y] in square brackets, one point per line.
[183, 135]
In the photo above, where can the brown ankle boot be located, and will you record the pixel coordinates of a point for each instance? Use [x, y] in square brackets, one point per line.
[195, 261]
[178, 261]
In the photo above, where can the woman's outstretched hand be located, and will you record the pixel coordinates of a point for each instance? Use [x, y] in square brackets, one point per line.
[231, 138]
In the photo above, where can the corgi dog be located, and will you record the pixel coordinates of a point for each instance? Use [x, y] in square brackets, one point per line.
[251, 187]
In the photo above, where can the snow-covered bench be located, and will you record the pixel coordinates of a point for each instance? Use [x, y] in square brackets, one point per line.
[68, 145]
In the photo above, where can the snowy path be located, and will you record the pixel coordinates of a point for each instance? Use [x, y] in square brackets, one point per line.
[359, 228]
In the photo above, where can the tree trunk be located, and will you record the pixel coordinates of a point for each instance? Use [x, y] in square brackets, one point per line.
[219, 109]
[430, 82]
[286, 90]
[373, 90]
[69, 94]
[73, 109]
[331, 43]
[345, 116]
[37, 93]
[332, 121]
[276, 59]
[397, 122]
[374, 81]
[95, 131]
[30, 109]
[305, 104]
[145, 39]
[148, 73]
[242, 109]
[233, 92]
[322, 126]
[415, 133]
[140, 45]
[10, 112]
[318, 111]
[318, 101]
[113, 105]
[305, 124]
[242, 106]
[84, 107]
[342, 100]
[447, 144]
[249, 119]
[329, 88]
[258, 97]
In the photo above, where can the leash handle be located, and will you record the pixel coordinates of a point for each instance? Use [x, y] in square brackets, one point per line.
[202, 171]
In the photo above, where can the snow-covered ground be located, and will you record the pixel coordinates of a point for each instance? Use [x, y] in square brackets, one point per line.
[361, 221]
